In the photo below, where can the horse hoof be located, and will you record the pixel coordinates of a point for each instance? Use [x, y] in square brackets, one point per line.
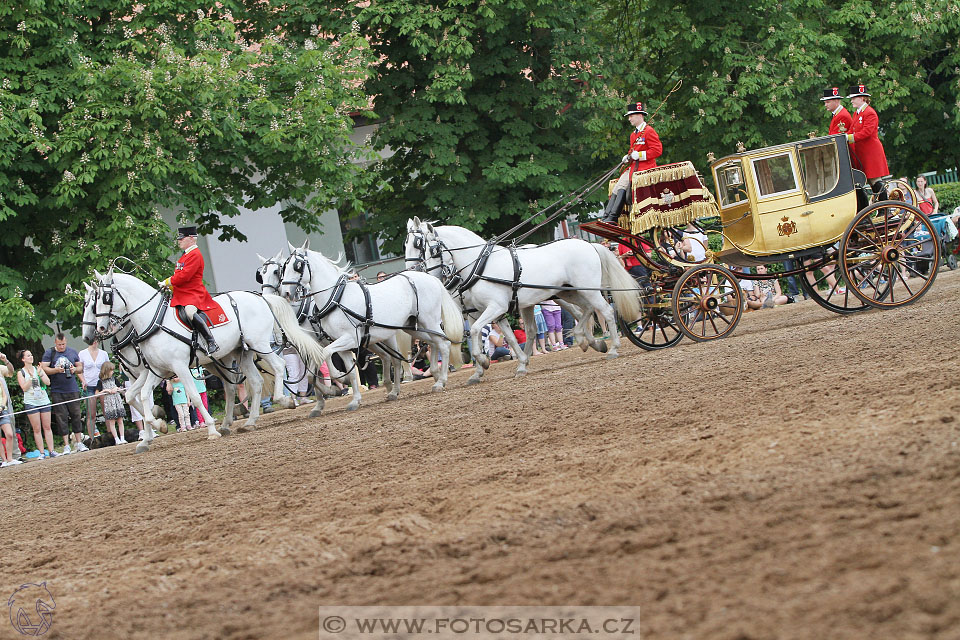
[613, 356]
[143, 447]
[520, 373]
[244, 428]
[472, 381]
[353, 406]
[224, 431]
[163, 428]
[438, 386]
[316, 413]
[602, 348]
[213, 436]
[392, 397]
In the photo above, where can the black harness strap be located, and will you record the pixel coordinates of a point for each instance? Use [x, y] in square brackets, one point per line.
[515, 286]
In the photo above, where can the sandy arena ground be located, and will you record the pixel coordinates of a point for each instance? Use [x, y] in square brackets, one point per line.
[798, 480]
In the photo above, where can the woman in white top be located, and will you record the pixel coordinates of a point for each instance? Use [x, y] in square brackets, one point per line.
[92, 358]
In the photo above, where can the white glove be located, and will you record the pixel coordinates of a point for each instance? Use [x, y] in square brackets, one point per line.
[162, 284]
[625, 159]
[635, 155]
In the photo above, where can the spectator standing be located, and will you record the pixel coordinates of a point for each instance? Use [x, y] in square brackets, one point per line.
[6, 413]
[552, 316]
[113, 411]
[200, 379]
[10, 439]
[539, 346]
[929, 203]
[92, 358]
[178, 395]
[62, 364]
[36, 404]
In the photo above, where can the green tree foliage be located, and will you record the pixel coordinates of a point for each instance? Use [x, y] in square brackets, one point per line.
[111, 111]
[753, 71]
[486, 104]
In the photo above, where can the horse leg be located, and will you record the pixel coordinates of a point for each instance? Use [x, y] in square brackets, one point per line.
[349, 361]
[477, 350]
[601, 307]
[254, 386]
[441, 346]
[583, 329]
[182, 370]
[389, 364]
[279, 367]
[529, 320]
[141, 389]
[511, 339]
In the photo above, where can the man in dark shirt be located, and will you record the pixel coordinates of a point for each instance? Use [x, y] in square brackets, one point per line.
[62, 364]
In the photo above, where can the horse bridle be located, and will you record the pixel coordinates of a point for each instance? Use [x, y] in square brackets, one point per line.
[301, 265]
[431, 249]
[259, 277]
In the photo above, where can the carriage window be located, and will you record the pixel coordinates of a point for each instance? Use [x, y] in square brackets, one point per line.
[730, 184]
[775, 175]
[821, 169]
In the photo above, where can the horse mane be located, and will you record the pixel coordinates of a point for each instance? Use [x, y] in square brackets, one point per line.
[347, 268]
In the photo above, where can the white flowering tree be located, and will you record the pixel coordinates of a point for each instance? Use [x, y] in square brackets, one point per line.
[752, 72]
[110, 111]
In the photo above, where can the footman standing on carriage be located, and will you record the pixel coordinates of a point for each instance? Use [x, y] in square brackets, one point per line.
[187, 285]
[832, 101]
[867, 150]
[645, 148]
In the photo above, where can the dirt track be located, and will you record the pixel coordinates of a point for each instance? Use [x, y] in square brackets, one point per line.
[798, 480]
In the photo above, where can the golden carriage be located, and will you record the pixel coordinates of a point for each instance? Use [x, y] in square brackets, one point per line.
[799, 203]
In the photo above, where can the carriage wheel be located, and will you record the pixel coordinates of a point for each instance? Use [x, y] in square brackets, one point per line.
[707, 302]
[951, 262]
[835, 296]
[890, 254]
[655, 328]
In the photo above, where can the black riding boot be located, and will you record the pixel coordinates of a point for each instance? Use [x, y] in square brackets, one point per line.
[200, 324]
[611, 214]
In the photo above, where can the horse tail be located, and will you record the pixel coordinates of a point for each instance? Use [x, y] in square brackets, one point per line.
[310, 350]
[626, 292]
[451, 315]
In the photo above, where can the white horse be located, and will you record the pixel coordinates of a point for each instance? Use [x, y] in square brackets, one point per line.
[491, 279]
[165, 344]
[269, 275]
[352, 312]
[125, 347]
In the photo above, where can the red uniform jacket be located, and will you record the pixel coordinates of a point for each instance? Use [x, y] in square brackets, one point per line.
[841, 116]
[187, 282]
[866, 144]
[645, 140]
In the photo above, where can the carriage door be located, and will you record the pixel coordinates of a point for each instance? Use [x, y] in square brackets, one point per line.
[779, 202]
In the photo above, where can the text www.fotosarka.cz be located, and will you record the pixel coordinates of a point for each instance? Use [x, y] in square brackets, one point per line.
[437, 622]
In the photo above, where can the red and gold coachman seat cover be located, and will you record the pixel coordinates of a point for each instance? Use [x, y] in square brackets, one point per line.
[668, 196]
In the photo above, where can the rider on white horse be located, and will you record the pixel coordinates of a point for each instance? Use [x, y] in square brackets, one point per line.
[189, 292]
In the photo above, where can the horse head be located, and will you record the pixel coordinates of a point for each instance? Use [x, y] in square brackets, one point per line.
[423, 249]
[270, 273]
[89, 322]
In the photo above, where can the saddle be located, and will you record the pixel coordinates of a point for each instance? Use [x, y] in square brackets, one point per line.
[214, 317]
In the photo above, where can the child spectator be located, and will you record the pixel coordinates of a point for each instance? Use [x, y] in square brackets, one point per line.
[539, 346]
[113, 411]
[36, 404]
[520, 335]
[178, 395]
[552, 315]
[200, 379]
[495, 343]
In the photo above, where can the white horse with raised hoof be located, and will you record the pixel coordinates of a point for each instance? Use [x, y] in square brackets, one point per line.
[165, 344]
[351, 312]
[492, 279]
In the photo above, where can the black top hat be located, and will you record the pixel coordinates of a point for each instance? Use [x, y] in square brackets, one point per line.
[186, 232]
[858, 90]
[833, 93]
[635, 107]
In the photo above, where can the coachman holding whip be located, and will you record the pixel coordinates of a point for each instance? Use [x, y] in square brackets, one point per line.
[645, 148]
[187, 285]
[867, 149]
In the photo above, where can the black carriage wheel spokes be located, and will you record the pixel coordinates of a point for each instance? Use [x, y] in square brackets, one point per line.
[884, 259]
[654, 329]
[707, 302]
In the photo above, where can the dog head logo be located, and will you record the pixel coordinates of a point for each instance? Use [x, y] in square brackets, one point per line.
[31, 609]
